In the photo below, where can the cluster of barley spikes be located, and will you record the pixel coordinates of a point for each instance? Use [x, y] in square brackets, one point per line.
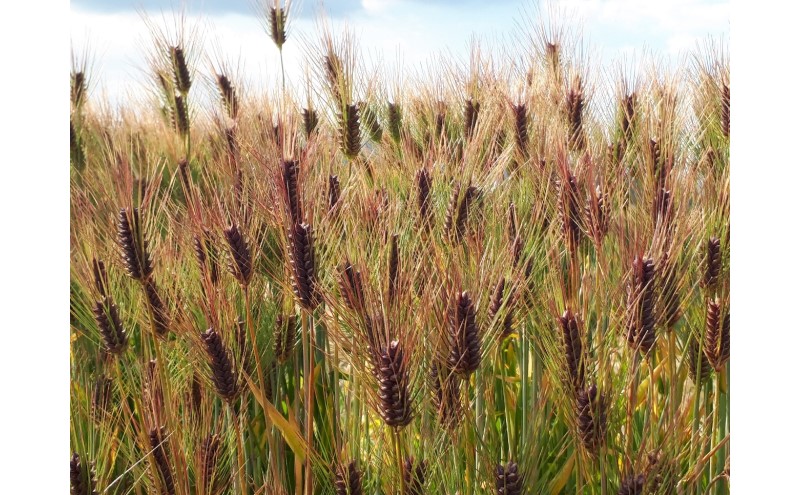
[491, 279]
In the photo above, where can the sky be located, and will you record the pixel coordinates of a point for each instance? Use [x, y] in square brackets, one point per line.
[413, 32]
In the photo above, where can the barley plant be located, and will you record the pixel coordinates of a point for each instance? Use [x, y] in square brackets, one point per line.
[504, 277]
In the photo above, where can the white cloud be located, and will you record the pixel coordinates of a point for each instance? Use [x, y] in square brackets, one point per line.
[416, 30]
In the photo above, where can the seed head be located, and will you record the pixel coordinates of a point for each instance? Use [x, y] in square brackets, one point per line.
[393, 381]
[180, 70]
[465, 344]
[219, 361]
[158, 443]
[508, 479]
[641, 305]
[573, 350]
[414, 475]
[348, 480]
[133, 245]
[592, 418]
[301, 258]
[241, 261]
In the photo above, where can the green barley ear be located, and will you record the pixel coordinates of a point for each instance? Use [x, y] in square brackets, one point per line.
[102, 393]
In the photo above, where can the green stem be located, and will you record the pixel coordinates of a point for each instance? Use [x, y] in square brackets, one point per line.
[399, 459]
[242, 462]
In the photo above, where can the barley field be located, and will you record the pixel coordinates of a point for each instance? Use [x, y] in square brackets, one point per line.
[509, 276]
